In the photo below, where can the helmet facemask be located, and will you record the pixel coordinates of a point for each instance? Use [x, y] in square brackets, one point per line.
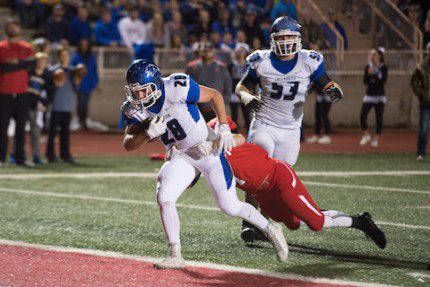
[286, 47]
[152, 94]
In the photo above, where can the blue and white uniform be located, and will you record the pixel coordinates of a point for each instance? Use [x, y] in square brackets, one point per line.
[188, 132]
[283, 86]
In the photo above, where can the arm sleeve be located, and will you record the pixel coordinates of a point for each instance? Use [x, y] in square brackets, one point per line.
[250, 79]
[384, 75]
[193, 94]
[8, 68]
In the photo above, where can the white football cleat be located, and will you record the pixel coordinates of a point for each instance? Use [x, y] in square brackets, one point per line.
[365, 139]
[324, 140]
[274, 233]
[312, 139]
[420, 157]
[174, 261]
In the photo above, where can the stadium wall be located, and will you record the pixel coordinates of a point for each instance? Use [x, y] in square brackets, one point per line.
[401, 109]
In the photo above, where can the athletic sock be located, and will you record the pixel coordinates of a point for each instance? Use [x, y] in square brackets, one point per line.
[253, 216]
[170, 219]
[334, 218]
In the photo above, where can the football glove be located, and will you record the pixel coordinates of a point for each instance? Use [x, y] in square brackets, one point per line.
[157, 127]
[225, 141]
[334, 92]
[251, 102]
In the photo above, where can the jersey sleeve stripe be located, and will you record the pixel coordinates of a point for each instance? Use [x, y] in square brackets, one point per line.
[193, 95]
[318, 72]
[194, 111]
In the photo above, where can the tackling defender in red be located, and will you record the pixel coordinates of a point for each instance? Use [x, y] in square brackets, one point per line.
[282, 196]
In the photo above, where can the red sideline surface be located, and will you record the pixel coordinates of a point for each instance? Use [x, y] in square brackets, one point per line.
[344, 141]
[24, 266]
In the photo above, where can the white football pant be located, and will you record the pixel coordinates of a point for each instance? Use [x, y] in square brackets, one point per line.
[178, 173]
[282, 144]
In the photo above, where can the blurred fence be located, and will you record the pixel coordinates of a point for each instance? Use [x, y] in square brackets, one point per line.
[116, 60]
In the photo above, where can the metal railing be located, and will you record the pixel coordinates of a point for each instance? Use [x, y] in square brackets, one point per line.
[319, 17]
[114, 61]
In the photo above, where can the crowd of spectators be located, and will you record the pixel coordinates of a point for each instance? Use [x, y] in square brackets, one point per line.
[165, 23]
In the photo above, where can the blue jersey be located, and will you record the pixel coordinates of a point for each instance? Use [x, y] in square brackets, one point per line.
[186, 126]
[283, 85]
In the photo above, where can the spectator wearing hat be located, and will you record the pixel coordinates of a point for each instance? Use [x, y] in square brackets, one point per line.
[15, 60]
[375, 77]
[250, 26]
[57, 27]
[238, 69]
[203, 71]
[106, 31]
[284, 8]
[421, 87]
[79, 27]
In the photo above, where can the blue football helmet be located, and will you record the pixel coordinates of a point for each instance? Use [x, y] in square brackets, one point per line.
[145, 87]
[281, 27]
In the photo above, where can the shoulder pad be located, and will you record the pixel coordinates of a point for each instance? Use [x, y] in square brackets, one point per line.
[176, 87]
[255, 58]
[312, 56]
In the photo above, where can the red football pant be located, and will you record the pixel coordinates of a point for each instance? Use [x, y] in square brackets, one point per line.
[289, 202]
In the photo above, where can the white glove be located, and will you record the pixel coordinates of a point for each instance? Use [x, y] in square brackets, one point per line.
[157, 127]
[226, 140]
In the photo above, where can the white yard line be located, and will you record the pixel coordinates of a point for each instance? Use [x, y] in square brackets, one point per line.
[419, 275]
[368, 187]
[140, 202]
[153, 174]
[215, 266]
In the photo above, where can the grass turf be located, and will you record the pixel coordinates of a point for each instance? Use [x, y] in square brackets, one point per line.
[135, 228]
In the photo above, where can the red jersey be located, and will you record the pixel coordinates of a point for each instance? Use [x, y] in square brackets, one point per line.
[14, 82]
[252, 167]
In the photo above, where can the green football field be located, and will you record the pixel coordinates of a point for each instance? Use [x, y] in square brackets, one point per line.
[102, 203]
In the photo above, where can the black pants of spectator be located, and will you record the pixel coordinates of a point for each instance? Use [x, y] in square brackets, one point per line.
[15, 106]
[234, 107]
[424, 128]
[59, 120]
[379, 112]
[322, 109]
[83, 103]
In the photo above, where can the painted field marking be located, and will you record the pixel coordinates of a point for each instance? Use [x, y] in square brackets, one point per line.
[27, 176]
[367, 187]
[140, 202]
[419, 275]
[154, 175]
[215, 266]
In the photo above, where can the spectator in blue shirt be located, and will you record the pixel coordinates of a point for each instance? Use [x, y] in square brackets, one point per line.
[106, 31]
[84, 55]
[224, 25]
[284, 8]
[329, 34]
[79, 27]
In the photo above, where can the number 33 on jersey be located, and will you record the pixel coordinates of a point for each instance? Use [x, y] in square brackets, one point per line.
[185, 125]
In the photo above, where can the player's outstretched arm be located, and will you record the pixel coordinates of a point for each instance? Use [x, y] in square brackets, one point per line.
[226, 142]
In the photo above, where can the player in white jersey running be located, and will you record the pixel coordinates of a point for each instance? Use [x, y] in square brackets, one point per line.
[283, 74]
[167, 108]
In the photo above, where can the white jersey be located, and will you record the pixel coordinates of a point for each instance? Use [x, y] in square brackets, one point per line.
[186, 126]
[283, 85]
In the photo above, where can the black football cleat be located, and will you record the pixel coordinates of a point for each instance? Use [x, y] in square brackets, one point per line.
[251, 233]
[365, 223]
